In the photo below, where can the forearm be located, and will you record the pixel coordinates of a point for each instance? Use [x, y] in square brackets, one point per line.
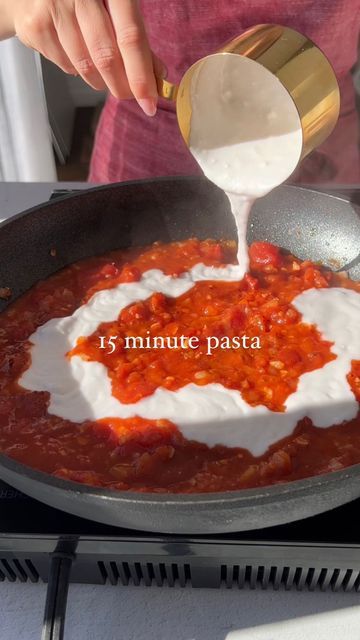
[6, 25]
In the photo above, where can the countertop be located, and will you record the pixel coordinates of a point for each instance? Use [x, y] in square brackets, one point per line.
[129, 613]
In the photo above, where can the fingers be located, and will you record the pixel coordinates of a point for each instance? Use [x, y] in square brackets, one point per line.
[73, 43]
[103, 41]
[99, 37]
[52, 50]
[37, 31]
[135, 51]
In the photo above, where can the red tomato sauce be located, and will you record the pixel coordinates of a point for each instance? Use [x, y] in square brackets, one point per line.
[152, 455]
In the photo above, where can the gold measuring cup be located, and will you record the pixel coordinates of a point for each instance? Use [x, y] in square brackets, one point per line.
[300, 66]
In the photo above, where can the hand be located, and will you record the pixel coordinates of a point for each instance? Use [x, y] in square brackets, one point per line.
[103, 42]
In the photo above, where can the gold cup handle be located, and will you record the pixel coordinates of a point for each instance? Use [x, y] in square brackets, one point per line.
[167, 89]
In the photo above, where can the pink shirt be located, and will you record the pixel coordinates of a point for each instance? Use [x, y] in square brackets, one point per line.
[130, 145]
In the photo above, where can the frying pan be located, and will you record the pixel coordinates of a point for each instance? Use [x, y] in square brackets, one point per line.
[308, 223]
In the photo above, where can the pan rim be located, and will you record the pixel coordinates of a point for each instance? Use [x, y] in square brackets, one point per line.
[258, 495]
[116, 185]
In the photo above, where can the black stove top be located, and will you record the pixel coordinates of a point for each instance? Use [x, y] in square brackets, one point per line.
[320, 552]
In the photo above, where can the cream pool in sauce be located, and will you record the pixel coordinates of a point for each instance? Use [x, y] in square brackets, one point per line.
[81, 390]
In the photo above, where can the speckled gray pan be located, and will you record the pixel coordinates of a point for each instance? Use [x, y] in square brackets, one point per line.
[308, 223]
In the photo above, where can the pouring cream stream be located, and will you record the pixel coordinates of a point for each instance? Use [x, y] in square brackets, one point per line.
[245, 133]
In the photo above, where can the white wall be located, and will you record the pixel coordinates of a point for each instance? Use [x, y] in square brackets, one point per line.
[26, 152]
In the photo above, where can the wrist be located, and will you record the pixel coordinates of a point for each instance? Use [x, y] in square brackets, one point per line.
[7, 27]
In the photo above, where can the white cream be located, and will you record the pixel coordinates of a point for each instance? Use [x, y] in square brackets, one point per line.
[245, 132]
[81, 390]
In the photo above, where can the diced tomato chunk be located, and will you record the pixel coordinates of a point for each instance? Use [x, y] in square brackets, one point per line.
[212, 251]
[157, 302]
[251, 281]
[314, 278]
[109, 271]
[289, 356]
[130, 274]
[264, 253]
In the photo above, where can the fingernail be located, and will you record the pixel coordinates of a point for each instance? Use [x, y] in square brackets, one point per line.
[148, 105]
